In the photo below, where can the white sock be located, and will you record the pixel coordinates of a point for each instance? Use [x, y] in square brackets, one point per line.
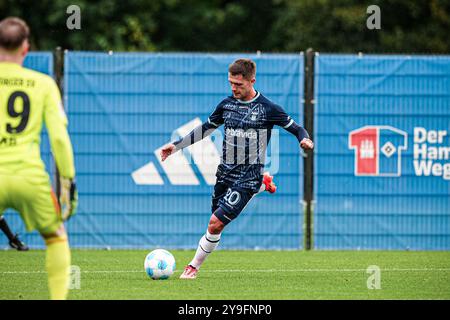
[208, 243]
[262, 188]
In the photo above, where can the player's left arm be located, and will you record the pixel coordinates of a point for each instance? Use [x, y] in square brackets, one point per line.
[302, 135]
[56, 123]
[279, 117]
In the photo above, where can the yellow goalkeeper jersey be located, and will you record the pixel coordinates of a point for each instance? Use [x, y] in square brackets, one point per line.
[29, 99]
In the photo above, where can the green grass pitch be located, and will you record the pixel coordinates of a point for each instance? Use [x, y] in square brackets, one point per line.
[230, 275]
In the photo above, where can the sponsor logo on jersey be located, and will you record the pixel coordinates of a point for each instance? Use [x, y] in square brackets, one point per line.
[240, 133]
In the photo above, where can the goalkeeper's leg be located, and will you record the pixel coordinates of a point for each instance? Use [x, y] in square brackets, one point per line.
[58, 263]
[32, 197]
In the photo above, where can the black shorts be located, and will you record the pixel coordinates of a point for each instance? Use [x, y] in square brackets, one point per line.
[231, 200]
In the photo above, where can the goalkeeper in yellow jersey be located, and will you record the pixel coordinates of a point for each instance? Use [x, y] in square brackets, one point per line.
[29, 100]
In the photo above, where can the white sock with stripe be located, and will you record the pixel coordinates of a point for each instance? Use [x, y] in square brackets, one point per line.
[208, 243]
[262, 188]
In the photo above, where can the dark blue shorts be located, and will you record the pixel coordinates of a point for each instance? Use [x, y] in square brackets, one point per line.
[231, 200]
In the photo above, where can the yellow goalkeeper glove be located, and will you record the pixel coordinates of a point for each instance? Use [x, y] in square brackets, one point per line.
[68, 198]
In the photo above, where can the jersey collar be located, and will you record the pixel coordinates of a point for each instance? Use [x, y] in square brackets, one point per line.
[9, 64]
[250, 101]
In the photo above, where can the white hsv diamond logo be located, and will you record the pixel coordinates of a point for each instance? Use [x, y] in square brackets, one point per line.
[388, 149]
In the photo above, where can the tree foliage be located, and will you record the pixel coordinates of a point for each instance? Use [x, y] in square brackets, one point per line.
[418, 26]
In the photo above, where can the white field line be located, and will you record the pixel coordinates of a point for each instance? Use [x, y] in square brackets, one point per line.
[253, 271]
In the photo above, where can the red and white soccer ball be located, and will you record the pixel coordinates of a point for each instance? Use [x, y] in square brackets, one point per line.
[159, 264]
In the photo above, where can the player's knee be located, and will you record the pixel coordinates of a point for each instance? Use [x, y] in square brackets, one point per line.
[60, 233]
[215, 226]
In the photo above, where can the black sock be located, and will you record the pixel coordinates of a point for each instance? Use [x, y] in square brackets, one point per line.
[5, 228]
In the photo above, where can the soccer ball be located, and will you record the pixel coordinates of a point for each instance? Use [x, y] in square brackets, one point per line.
[159, 264]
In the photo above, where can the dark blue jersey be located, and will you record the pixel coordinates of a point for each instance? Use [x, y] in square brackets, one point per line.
[247, 129]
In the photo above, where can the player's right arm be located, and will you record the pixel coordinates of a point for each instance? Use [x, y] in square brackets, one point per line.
[214, 121]
[56, 122]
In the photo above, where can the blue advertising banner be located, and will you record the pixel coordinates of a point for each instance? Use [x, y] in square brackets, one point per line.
[382, 162]
[123, 107]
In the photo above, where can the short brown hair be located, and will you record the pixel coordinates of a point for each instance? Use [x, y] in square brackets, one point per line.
[13, 32]
[245, 67]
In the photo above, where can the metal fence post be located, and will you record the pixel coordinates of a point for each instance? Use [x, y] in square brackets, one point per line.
[308, 191]
[58, 71]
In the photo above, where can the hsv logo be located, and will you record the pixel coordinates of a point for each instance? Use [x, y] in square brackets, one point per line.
[378, 150]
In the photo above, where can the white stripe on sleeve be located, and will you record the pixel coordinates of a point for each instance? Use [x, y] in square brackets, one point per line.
[214, 124]
[289, 124]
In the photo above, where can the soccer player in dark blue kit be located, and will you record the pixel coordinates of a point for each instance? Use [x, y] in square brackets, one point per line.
[248, 118]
